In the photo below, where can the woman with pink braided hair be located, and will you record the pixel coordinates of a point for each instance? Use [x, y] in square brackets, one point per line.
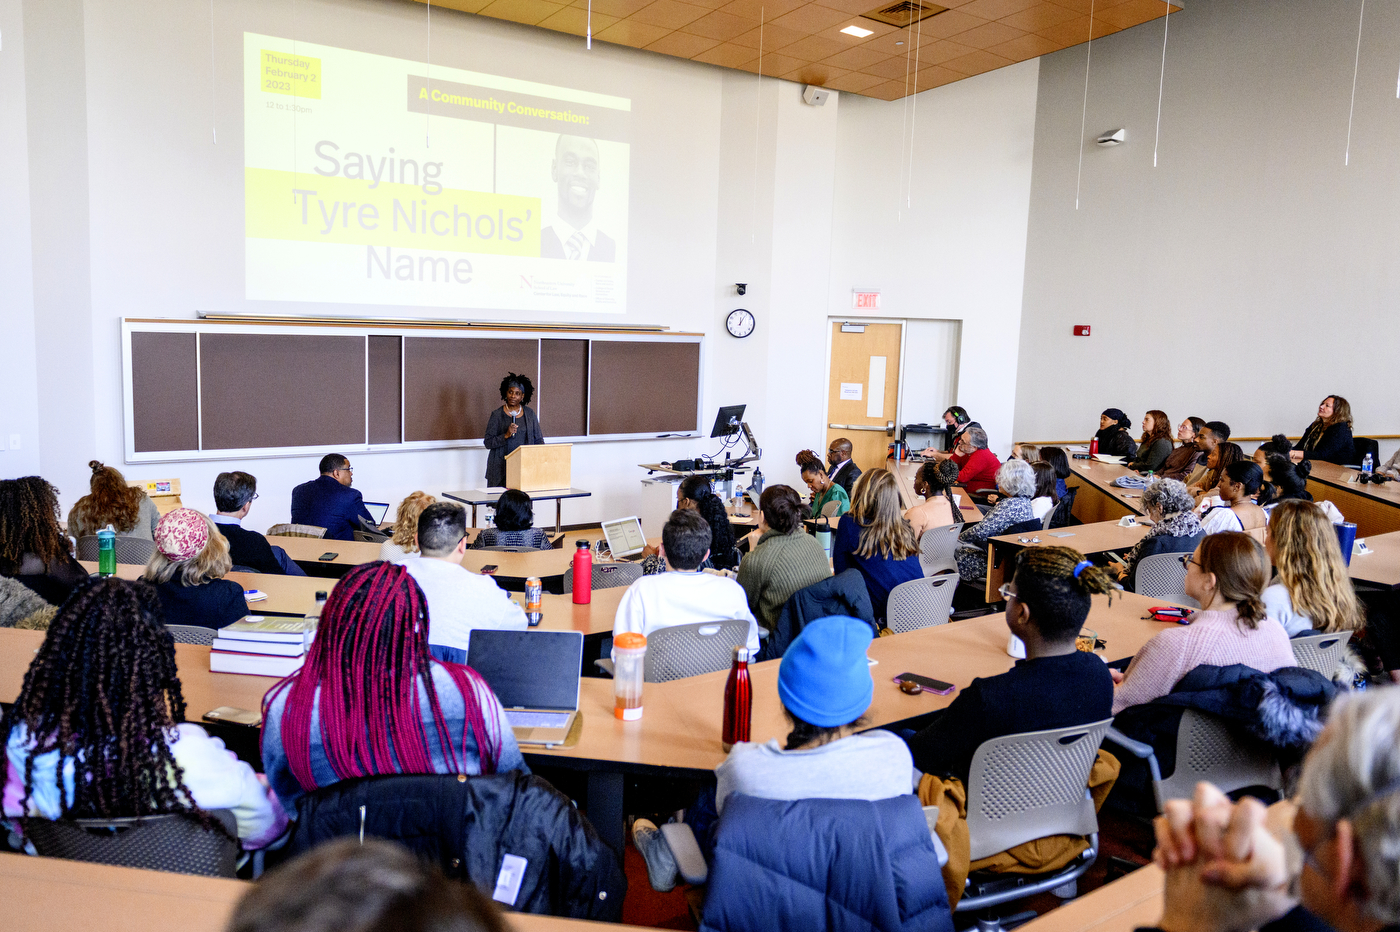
[371, 699]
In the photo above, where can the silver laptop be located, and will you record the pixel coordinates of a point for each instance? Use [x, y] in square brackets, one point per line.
[378, 511]
[535, 675]
[625, 538]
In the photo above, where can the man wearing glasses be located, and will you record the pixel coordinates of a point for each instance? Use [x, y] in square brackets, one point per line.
[843, 471]
[234, 493]
[329, 502]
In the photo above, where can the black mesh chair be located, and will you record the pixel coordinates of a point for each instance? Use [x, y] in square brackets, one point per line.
[191, 634]
[176, 843]
[1362, 446]
[129, 549]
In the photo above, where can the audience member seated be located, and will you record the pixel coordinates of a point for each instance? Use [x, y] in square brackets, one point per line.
[458, 599]
[1391, 466]
[1233, 866]
[1239, 483]
[403, 540]
[187, 570]
[1279, 444]
[696, 495]
[321, 725]
[328, 501]
[1026, 451]
[1115, 434]
[1284, 481]
[99, 729]
[515, 524]
[1182, 460]
[685, 594]
[785, 559]
[1226, 575]
[1045, 498]
[825, 685]
[843, 471]
[373, 885]
[110, 501]
[957, 422]
[1156, 442]
[1175, 526]
[1016, 481]
[1056, 686]
[1208, 438]
[33, 548]
[1057, 458]
[233, 497]
[1311, 591]
[1328, 438]
[823, 490]
[1221, 456]
[977, 466]
[935, 482]
[875, 539]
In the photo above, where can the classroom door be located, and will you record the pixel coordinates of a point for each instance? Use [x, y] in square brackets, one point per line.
[863, 389]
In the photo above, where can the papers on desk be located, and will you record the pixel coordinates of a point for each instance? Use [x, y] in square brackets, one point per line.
[492, 490]
[1105, 458]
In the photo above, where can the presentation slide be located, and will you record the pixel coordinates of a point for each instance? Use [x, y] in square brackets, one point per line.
[376, 180]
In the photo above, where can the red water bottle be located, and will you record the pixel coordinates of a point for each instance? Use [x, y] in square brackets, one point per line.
[1093, 446]
[738, 701]
[583, 573]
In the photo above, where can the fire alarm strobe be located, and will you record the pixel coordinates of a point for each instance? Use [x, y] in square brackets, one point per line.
[1081, 330]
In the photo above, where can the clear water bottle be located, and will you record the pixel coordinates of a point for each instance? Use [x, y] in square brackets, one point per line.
[1367, 465]
[107, 551]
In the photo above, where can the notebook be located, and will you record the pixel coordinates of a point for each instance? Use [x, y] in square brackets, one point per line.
[377, 511]
[535, 674]
[625, 537]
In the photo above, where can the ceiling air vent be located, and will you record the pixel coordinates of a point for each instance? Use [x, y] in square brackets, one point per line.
[904, 13]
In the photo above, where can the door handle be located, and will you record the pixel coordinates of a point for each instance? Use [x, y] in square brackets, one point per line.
[888, 428]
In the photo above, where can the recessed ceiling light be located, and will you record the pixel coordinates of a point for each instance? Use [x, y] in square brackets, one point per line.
[901, 42]
[858, 32]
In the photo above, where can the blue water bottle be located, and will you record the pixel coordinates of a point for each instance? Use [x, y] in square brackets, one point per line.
[1367, 465]
[107, 551]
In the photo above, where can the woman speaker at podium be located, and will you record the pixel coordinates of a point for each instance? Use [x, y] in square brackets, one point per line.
[511, 425]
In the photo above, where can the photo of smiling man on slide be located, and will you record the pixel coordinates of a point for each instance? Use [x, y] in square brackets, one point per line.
[574, 234]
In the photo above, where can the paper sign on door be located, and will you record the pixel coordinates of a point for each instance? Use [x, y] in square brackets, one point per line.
[875, 407]
[851, 391]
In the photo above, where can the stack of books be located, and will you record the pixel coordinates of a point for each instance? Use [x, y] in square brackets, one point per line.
[262, 646]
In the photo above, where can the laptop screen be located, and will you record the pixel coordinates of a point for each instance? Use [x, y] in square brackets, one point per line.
[377, 511]
[529, 669]
[625, 537]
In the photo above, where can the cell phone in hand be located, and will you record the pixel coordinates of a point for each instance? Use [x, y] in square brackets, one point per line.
[937, 687]
[327, 556]
[488, 569]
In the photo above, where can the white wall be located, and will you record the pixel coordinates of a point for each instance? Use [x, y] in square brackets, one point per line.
[1252, 272]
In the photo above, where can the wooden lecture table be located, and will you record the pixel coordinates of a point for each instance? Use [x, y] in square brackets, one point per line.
[1088, 539]
[1379, 569]
[1098, 499]
[479, 497]
[906, 471]
[1375, 509]
[1130, 902]
[43, 894]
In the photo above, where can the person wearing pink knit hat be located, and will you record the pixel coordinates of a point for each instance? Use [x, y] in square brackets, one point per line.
[187, 570]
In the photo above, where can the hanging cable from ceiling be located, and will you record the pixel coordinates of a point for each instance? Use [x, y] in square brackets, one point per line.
[1162, 80]
[1355, 67]
[914, 108]
[213, 111]
[589, 42]
[757, 125]
[428, 112]
[1084, 110]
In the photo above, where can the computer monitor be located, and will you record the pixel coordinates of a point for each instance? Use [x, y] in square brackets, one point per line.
[727, 421]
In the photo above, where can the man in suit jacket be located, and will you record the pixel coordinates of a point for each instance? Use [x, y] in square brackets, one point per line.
[329, 502]
[843, 471]
[233, 497]
[574, 234]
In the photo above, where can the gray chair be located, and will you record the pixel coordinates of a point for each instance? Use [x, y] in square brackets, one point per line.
[1163, 576]
[176, 843]
[938, 547]
[1028, 786]
[365, 537]
[1205, 750]
[1320, 652]
[921, 603]
[607, 576]
[191, 634]
[830, 508]
[129, 549]
[689, 650]
[509, 549]
[296, 530]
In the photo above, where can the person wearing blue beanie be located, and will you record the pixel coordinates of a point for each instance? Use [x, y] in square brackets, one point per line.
[825, 686]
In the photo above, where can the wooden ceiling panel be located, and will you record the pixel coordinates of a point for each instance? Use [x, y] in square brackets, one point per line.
[801, 40]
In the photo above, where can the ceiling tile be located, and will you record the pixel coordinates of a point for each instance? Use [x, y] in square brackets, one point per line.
[1027, 46]
[1083, 6]
[854, 7]
[945, 25]
[814, 48]
[811, 18]
[466, 6]
[937, 76]
[682, 45]
[575, 21]
[887, 42]
[1134, 12]
[767, 10]
[854, 82]
[1041, 16]
[939, 52]
[890, 90]
[976, 63]
[669, 13]
[996, 9]
[856, 58]
[988, 35]
[627, 32]
[891, 68]
[718, 25]
[773, 37]
[529, 12]
[818, 74]
[730, 56]
[1076, 31]
[773, 65]
[708, 4]
[619, 8]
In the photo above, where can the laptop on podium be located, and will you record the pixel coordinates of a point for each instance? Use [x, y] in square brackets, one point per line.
[535, 674]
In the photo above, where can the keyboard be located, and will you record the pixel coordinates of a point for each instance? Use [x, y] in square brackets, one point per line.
[519, 718]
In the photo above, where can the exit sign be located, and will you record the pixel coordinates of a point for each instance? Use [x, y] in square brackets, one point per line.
[865, 300]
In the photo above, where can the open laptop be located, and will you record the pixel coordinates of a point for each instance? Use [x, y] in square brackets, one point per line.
[378, 511]
[625, 538]
[535, 674]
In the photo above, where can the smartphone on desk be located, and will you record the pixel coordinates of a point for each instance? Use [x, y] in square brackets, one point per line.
[488, 569]
[327, 556]
[930, 685]
[228, 715]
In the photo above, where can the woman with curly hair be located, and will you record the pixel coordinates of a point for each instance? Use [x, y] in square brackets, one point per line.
[127, 509]
[33, 548]
[404, 542]
[99, 729]
[1176, 528]
[824, 490]
[511, 426]
[1156, 442]
[321, 725]
[935, 483]
[1328, 437]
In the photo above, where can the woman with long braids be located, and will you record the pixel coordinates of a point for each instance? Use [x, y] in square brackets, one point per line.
[129, 510]
[102, 696]
[33, 548]
[371, 700]
[695, 493]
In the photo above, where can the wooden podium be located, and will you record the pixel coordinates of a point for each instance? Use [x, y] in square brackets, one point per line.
[538, 466]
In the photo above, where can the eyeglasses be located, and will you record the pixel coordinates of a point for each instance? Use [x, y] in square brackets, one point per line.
[1007, 591]
[349, 469]
[1188, 558]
